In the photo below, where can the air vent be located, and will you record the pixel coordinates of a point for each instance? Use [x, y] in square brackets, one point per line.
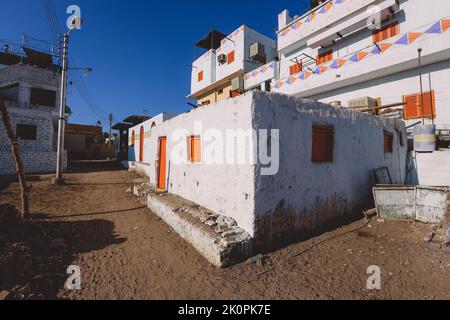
[222, 58]
[257, 53]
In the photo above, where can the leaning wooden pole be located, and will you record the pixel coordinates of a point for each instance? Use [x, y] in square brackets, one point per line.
[25, 213]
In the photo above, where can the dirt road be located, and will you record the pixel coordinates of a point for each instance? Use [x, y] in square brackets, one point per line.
[126, 252]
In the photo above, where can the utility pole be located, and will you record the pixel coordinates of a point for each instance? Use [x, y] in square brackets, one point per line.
[421, 85]
[110, 135]
[62, 111]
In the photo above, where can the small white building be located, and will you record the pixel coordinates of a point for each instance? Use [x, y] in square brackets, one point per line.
[281, 167]
[228, 58]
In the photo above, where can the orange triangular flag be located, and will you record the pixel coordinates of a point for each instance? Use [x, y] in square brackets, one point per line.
[385, 46]
[412, 36]
[445, 24]
[362, 55]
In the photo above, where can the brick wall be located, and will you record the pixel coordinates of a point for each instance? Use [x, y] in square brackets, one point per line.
[37, 155]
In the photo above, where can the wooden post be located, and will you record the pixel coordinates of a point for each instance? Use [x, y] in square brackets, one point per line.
[25, 213]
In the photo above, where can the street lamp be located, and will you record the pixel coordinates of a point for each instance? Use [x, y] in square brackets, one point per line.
[62, 103]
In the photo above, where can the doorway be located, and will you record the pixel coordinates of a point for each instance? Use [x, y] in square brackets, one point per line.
[162, 164]
[141, 145]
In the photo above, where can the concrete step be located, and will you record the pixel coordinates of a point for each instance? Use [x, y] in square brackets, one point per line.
[217, 238]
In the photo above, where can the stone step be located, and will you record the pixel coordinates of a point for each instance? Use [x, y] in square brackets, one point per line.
[217, 238]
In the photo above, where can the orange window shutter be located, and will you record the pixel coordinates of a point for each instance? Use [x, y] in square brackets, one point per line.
[133, 138]
[388, 142]
[429, 110]
[200, 76]
[395, 30]
[194, 149]
[410, 109]
[296, 68]
[325, 57]
[230, 58]
[322, 144]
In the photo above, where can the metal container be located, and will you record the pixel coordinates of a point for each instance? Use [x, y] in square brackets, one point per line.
[425, 138]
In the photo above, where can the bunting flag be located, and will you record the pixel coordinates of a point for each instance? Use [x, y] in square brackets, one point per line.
[337, 63]
[322, 10]
[403, 40]
[385, 46]
[380, 48]
[278, 84]
[291, 80]
[412, 36]
[445, 24]
[320, 70]
[435, 28]
[376, 50]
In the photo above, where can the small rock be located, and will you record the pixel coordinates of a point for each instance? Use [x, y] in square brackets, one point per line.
[222, 227]
[256, 259]
[430, 237]
[211, 223]
[230, 221]
[232, 233]
[381, 221]
[4, 295]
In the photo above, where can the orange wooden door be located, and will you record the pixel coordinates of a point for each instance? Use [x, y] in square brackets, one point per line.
[162, 164]
[141, 145]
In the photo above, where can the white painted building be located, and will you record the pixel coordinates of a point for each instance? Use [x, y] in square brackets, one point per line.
[341, 59]
[228, 57]
[323, 173]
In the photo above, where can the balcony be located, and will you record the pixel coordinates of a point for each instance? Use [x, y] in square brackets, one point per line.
[203, 72]
[254, 78]
[392, 56]
[296, 33]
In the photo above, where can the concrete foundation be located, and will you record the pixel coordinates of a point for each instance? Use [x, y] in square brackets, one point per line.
[221, 243]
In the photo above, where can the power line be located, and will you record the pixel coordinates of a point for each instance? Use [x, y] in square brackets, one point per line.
[78, 81]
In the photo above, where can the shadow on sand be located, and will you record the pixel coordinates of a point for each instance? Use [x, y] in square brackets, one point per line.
[34, 255]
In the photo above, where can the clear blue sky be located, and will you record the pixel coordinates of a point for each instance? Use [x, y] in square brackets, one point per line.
[140, 50]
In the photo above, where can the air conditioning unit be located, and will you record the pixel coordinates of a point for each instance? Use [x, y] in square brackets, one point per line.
[222, 58]
[237, 84]
[257, 53]
[362, 102]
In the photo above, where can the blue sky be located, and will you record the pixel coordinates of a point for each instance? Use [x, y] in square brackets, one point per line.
[140, 50]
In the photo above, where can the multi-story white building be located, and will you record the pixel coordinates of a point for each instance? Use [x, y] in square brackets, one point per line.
[333, 53]
[219, 73]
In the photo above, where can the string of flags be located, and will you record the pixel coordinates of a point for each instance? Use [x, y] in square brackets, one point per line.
[309, 18]
[436, 28]
[260, 70]
[232, 35]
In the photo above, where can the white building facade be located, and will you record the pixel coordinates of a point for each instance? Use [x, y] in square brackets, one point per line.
[333, 54]
[229, 59]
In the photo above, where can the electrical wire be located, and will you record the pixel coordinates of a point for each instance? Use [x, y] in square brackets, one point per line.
[79, 83]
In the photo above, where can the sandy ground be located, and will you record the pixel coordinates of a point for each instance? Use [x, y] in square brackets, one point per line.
[126, 252]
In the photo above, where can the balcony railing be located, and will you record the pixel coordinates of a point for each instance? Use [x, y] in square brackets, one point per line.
[323, 16]
[262, 74]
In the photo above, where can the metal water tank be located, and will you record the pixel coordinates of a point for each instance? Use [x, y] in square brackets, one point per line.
[425, 138]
